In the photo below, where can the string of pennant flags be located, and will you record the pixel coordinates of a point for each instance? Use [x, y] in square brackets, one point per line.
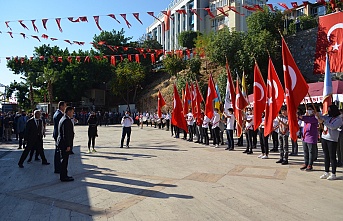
[153, 54]
[137, 16]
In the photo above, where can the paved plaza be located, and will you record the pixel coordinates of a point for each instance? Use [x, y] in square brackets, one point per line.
[163, 178]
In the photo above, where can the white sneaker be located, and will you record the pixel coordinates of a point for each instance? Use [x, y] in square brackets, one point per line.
[216, 146]
[331, 177]
[89, 151]
[264, 157]
[325, 175]
[260, 156]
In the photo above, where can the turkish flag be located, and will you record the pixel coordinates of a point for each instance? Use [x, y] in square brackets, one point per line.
[294, 4]
[211, 95]
[296, 89]
[329, 38]
[275, 98]
[160, 103]
[283, 5]
[199, 99]
[194, 99]
[240, 104]
[230, 95]
[259, 96]
[186, 99]
[178, 118]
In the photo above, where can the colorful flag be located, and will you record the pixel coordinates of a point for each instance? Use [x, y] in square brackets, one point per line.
[187, 99]
[230, 94]
[329, 39]
[178, 118]
[275, 98]
[244, 86]
[211, 95]
[240, 104]
[327, 91]
[217, 101]
[259, 96]
[160, 103]
[194, 98]
[296, 89]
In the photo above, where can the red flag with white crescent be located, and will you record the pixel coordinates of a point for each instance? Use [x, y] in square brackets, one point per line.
[259, 96]
[178, 118]
[211, 95]
[160, 103]
[274, 98]
[329, 39]
[296, 89]
[240, 104]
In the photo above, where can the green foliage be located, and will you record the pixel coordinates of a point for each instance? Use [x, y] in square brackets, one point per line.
[194, 65]
[221, 82]
[114, 38]
[173, 64]
[187, 39]
[128, 76]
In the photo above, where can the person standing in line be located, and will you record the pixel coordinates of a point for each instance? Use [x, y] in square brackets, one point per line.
[34, 137]
[283, 136]
[275, 136]
[263, 140]
[21, 124]
[249, 131]
[329, 139]
[199, 130]
[230, 125]
[1, 126]
[215, 128]
[92, 122]
[65, 141]
[190, 122]
[168, 117]
[126, 122]
[205, 130]
[56, 118]
[310, 138]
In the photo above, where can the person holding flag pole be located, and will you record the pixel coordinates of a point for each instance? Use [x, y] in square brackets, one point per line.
[332, 121]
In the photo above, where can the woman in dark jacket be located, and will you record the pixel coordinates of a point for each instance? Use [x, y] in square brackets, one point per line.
[92, 131]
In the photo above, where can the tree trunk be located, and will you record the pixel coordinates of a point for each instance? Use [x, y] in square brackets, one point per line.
[31, 97]
[50, 100]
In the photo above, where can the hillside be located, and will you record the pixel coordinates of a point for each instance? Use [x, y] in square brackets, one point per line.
[147, 99]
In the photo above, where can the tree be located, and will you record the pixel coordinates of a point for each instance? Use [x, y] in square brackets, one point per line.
[187, 38]
[173, 64]
[113, 38]
[127, 79]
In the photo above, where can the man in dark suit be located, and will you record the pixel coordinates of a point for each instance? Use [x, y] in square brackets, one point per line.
[34, 138]
[57, 117]
[65, 141]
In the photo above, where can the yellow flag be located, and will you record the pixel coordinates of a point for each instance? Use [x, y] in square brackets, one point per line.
[244, 86]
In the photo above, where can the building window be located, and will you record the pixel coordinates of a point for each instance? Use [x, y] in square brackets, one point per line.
[321, 10]
[300, 12]
[213, 6]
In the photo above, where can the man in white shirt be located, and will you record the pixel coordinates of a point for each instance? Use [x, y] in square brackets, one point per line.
[230, 126]
[190, 122]
[215, 128]
[249, 131]
[126, 122]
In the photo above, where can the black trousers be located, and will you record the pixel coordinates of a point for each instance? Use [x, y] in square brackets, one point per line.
[57, 159]
[216, 137]
[240, 140]
[91, 139]
[64, 164]
[249, 135]
[126, 132]
[264, 142]
[254, 138]
[329, 149]
[190, 132]
[39, 148]
[21, 137]
[275, 137]
[205, 134]
[230, 141]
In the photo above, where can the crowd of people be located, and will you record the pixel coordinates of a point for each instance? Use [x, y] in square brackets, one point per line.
[314, 127]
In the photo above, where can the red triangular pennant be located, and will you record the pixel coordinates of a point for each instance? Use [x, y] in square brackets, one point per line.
[137, 17]
[58, 21]
[114, 17]
[34, 26]
[96, 19]
[127, 22]
[6, 22]
[22, 24]
[71, 19]
[44, 23]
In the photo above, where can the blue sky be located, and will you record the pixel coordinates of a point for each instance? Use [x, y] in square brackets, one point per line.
[84, 31]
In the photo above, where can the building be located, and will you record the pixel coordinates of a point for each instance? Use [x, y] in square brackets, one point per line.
[211, 15]
[182, 19]
[309, 9]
